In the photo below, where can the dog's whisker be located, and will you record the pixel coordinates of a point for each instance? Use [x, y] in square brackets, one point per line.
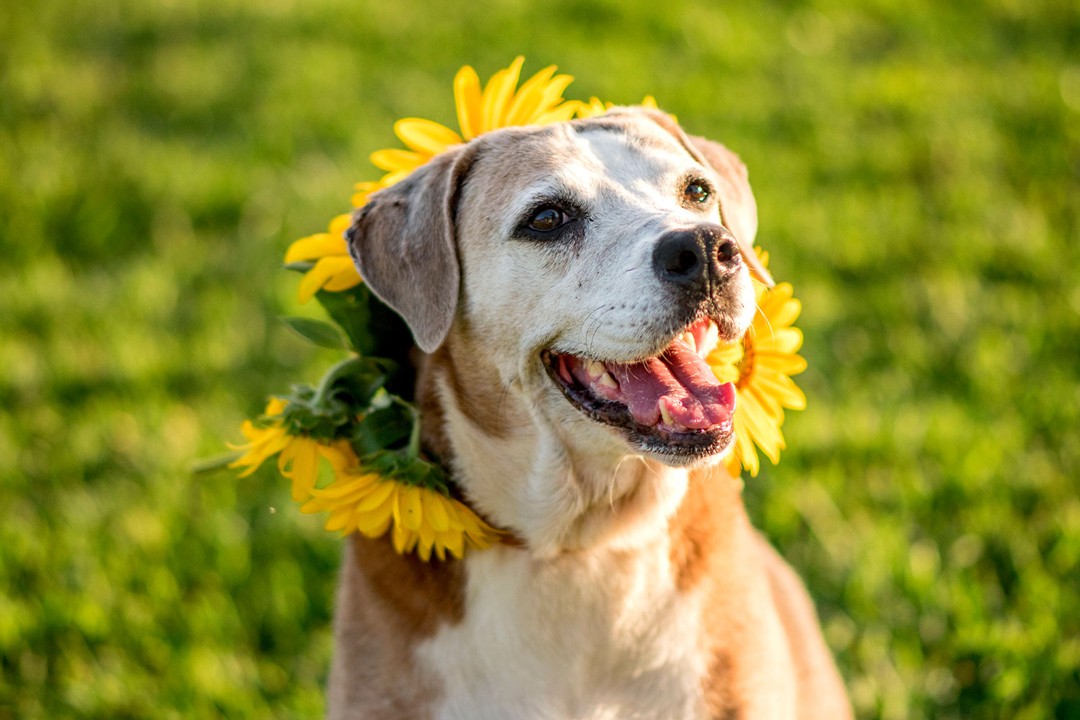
[590, 335]
[759, 311]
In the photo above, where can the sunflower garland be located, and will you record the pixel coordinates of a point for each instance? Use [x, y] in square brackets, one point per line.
[350, 446]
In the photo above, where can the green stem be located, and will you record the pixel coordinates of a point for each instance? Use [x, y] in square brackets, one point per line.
[208, 465]
[341, 369]
[413, 448]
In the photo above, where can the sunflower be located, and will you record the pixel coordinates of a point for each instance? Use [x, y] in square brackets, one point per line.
[299, 456]
[761, 364]
[500, 104]
[421, 519]
[596, 106]
[334, 269]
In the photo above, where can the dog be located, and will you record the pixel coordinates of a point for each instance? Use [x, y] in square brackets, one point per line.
[559, 282]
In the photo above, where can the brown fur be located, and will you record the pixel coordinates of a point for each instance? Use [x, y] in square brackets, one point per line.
[386, 604]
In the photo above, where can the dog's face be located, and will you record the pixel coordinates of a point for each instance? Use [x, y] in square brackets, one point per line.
[591, 262]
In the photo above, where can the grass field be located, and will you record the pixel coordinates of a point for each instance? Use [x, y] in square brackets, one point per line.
[917, 168]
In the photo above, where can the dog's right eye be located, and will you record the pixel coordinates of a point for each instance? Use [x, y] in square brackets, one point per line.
[547, 219]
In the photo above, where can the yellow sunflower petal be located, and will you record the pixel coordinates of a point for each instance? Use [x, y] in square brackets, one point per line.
[498, 92]
[397, 160]
[541, 98]
[454, 542]
[426, 541]
[299, 462]
[339, 224]
[345, 487]
[402, 538]
[374, 524]
[325, 270]
[426, 136]
[315, 246]
[560, 114]
[783, 389]
[769, 404]
[781, 363]
[765, 434]
[364, 191]
[345, 276]
[266, 443]
[382, 493]
[341, 518]
[412, 509]
[435, 512]
[274, 406]
[592, 108]
[780, 340]
[528, 98]
[340, 455]
[395, 177]
[744, 447]
[551, 93]
[467, 100]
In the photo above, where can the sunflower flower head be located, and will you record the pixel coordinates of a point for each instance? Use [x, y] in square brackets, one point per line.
[596, 106]
[409, 499]
[761, 365]
[332, 269]
[499, 104]
[299, 456]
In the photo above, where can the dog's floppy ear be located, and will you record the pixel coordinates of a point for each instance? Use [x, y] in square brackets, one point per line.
[737, 207]
[404, 246]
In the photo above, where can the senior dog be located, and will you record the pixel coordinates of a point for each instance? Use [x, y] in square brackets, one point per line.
[563, 284]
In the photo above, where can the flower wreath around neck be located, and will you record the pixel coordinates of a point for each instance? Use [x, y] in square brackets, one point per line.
[350, 446]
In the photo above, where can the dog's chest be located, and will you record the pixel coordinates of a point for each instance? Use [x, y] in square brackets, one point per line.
[599, 636]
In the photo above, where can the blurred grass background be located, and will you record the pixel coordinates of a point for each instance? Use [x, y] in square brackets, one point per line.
[917, 167]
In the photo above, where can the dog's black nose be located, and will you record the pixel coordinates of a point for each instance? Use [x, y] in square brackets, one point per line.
[687, 257]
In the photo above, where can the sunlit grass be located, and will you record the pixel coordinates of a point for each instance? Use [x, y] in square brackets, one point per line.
[916, 173]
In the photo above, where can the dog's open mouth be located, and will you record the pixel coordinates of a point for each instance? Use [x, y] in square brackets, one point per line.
[671, 404]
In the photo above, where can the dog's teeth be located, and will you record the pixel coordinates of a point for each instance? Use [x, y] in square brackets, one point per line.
[665, 414]
[564, 371]
[712, 337]
[606, 381]
[688, 339]
[595, 370]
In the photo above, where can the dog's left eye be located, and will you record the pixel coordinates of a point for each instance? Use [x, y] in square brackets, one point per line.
[697, 192]
[547, 219]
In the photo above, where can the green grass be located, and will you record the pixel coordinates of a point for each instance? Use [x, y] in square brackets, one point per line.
[917, 167]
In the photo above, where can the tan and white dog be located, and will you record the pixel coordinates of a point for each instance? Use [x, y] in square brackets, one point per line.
[563, 284]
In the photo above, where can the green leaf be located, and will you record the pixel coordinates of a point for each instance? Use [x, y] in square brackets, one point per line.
[382, 429]
[318, 332]
[350, 311]
[355, 381]
[300, 266]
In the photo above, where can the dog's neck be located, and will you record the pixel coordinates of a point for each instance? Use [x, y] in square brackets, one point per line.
[603, 586]
[520, 473]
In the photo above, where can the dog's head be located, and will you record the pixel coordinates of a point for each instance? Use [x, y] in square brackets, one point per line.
[591, 264]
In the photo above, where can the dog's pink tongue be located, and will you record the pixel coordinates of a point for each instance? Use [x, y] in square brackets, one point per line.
[678, 388]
